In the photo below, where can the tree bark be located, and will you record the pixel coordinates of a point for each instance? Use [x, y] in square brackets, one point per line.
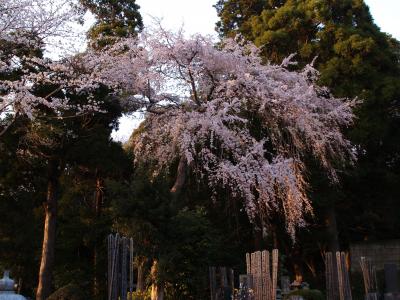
[98, 204]
[49, 234]
[331, 228]
[157, 288]
[180, 176]
[140, 284]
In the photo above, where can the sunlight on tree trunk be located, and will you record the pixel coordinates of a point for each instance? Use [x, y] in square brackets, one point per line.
[140, 285]
[157, 288]
[49, 235]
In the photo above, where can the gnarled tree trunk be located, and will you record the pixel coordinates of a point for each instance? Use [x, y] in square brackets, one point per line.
[180, 176]
[49, 234]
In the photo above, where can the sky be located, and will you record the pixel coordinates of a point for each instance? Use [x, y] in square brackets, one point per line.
[199, 16]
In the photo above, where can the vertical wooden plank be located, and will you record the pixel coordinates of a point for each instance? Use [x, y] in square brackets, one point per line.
[117, 267]
[328, 274]
[109, 267]
[346, 279]
[264, 274]
[124, 268]
[340, 275]
[364, 270]
[223, 277]
[130, 268]
[248, 264]
[212, 282]
[268, 275]
[274, 272]
[259, 282]
[253, 274]
[232, 281]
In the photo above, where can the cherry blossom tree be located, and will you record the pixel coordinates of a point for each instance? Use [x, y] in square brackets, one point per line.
[26, 29]
[21, 20]
[216, 110]
[239, 124]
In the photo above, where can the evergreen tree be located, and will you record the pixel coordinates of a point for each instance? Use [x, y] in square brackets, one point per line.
[355, 59]
[114, 19]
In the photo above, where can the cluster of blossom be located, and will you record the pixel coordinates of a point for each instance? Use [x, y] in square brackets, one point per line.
[39, 21]
[240, 124]
[233, 121]
[32, 25]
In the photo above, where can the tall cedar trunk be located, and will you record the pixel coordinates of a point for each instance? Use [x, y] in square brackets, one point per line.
[157, 288]
[98, 202]
[49, 234]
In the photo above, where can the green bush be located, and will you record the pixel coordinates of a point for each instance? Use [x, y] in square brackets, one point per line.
[141, 295]
[68, 292]
[307, 294]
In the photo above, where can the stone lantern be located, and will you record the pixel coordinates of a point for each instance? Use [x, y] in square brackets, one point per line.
[7, 288]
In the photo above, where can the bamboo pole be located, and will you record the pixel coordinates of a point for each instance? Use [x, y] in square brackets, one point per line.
[130, 268]
[340, 276]
[275, 254]
[248, 264]
[346, 278]
[124, 268]
[264, 274]
[212, 275]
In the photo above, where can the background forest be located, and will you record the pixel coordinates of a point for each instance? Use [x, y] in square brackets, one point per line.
[98, 188]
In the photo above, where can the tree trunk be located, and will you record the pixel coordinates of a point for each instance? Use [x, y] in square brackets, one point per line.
[331, 229]
[258, 239]
[298, 272]
[180, 176]
[140, 284]
[157, 288]
[49, 234]
[333, 243]
[98, 204]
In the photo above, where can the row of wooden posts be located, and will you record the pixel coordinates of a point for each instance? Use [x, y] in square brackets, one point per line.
[263, 268]
[120, 267]
[260, 282]
[337, 277]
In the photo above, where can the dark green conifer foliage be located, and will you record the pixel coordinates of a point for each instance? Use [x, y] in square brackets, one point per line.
[355, 59]
[114, 19]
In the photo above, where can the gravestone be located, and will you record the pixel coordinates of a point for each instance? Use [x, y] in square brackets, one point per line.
[7, 288]
[391, 282]
[245, 287]
[391, 279]
[285, 285]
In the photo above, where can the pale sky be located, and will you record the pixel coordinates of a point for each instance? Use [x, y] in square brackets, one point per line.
[199, 16]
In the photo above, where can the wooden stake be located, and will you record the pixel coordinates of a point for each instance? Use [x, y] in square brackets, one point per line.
[275, 254]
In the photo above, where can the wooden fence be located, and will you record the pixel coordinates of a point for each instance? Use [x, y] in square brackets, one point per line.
[120, 267]
[337, 277]
[263, 268]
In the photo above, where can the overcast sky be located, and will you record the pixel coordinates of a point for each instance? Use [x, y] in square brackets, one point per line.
[199, 16]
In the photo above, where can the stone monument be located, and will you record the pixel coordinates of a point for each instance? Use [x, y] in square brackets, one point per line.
[7, 288]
